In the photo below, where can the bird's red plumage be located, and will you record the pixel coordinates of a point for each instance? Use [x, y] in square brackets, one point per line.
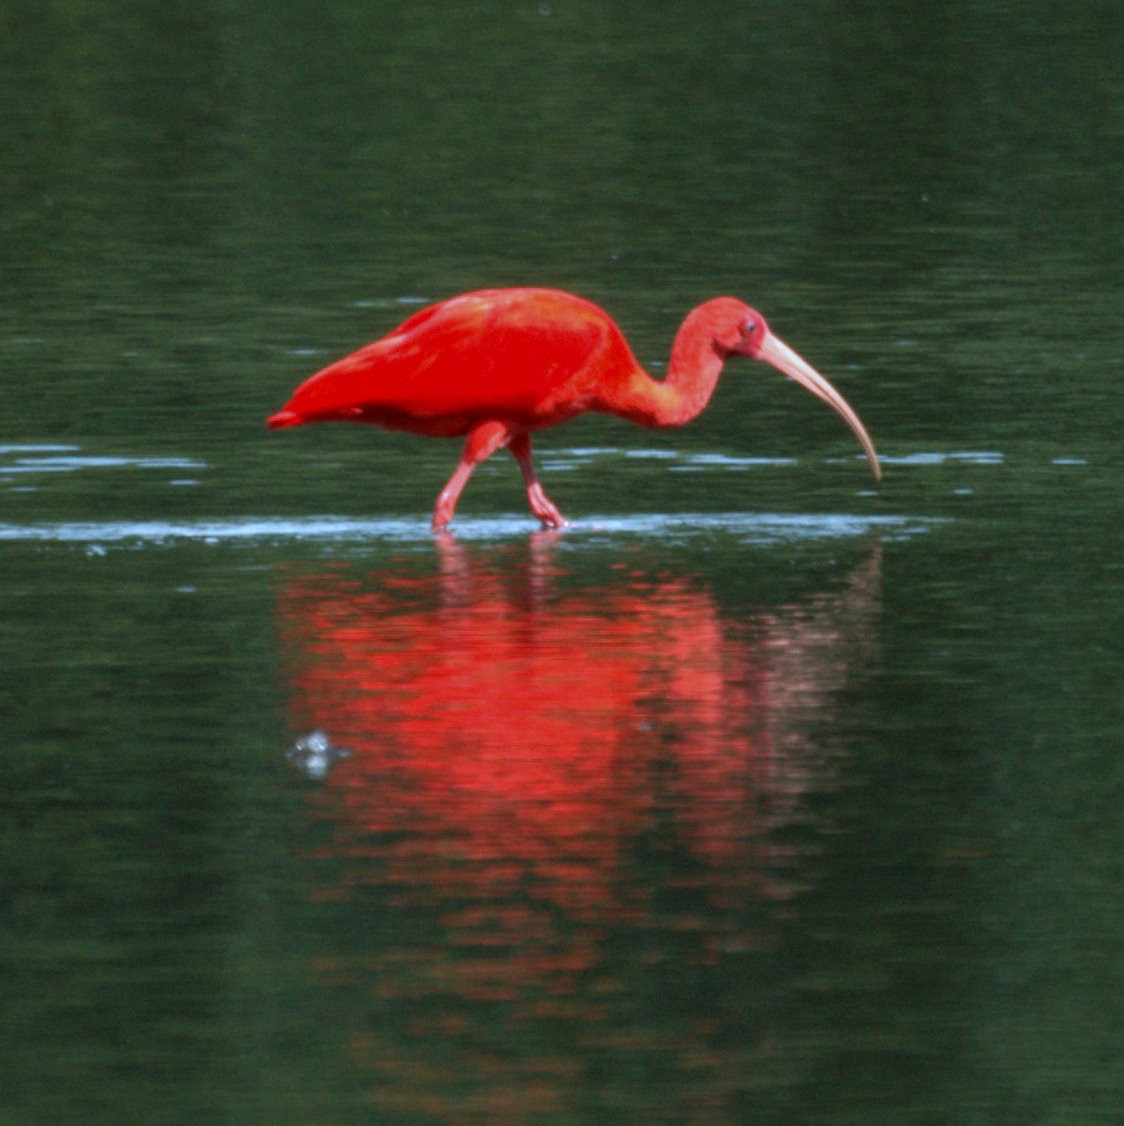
[531, 357]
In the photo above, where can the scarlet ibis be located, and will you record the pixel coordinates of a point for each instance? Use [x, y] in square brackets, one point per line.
[496, 365]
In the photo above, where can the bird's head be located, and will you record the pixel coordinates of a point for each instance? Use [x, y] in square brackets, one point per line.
[739, 330]
[749, 332]
[734, 328]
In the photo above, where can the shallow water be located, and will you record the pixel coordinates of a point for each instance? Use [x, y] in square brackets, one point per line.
[761, 792]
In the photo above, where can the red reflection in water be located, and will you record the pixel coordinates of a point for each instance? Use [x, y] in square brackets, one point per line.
[516, 742]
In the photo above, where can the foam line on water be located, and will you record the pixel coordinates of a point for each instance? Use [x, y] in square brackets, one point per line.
[328, 529]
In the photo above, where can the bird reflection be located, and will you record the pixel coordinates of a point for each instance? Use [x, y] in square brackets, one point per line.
[542, 770]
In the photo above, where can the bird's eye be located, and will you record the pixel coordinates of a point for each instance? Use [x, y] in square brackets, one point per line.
[750, 327]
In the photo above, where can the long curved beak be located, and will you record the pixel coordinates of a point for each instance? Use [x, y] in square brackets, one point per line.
[784, 359]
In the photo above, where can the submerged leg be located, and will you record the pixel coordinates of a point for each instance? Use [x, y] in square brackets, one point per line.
[481, 443]
[541, 504]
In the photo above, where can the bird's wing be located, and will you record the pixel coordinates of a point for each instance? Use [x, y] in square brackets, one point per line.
[529, 356]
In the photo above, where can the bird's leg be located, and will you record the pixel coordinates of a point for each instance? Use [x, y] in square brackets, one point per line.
[481, 443]
[541, 504]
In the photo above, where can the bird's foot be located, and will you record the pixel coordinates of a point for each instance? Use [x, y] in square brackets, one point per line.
[545, 509]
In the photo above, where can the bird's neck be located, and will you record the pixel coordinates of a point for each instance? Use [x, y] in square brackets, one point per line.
[692, 373]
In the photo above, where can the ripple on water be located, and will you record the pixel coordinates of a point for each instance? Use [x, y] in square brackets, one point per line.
[922, 457]
[344, 530]
[60, 462]
[17, 462]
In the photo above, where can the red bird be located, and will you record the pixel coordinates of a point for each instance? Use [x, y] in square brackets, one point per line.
[496, 365]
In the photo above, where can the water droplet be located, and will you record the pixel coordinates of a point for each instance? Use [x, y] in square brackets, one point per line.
[315, 754]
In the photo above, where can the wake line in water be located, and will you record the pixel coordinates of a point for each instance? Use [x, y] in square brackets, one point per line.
[751, 528]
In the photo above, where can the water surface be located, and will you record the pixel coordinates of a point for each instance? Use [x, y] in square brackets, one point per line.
[762, 793]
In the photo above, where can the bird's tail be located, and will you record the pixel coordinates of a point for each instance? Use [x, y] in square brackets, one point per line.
[284, 418]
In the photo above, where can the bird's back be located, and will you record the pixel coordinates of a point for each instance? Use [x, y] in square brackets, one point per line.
[533, 357]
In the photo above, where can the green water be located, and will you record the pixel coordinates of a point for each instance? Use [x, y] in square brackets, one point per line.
[762, 794]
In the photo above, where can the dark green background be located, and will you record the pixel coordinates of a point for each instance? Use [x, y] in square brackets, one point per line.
[201, 203]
